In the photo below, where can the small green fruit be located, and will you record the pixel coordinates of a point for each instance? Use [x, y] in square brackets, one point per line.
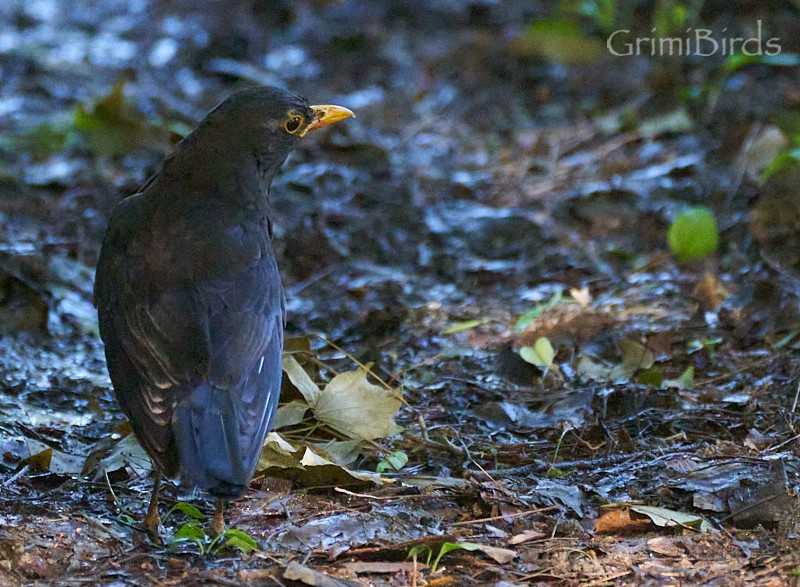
[693, 234]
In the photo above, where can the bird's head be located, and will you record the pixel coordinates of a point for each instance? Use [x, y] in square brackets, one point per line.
[251, 132]
[267, 123]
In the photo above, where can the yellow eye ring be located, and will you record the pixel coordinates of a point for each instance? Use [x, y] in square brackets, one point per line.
[293, 124]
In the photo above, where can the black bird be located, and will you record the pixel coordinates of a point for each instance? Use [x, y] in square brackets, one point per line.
[190, 300]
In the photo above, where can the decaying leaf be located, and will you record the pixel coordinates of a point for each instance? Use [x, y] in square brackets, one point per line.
[582, 296]
[307, 466]
[357, 408]
[527, 536]
[665, 518]
[309, 576]
[619, 521]
[48, 459]
[709, 292]
[301, 380]
[635, 356]
[499, 555]
[290, 414]
[127, 454]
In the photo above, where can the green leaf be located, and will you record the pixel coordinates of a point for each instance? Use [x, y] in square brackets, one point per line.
[602, 12]
[700, 344]
[669, 17]
[451, 546]
[651, 376]
[395, 460]
[739, 60]
[786, 340]
[560, 41]
[419, 549]
[782, 161]
[466, 325]
[112, 127]
[191, 530]
[685, 381]
[693, 234]
[187, 509]
[41, 141]
[541, 354]
[635, 355]
[237, 540]
[190, 533]
[536, 311]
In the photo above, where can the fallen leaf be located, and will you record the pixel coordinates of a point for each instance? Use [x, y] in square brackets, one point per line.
[357, 408]
[498, 555]
[685, 381]
[290, 414]
[48, 459]
[466, 325]
[127, 454]
[665, 518]
[306, 467]
[666, 546]
[526, 536]
[582, 296]
[619, 521]
[298, 376]
[309, 576]
[709, 292]
[385, 567]
[541, 354]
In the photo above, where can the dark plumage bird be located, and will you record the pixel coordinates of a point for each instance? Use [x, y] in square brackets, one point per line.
[190, 300]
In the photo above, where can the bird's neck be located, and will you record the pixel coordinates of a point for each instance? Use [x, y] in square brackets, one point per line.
[212, 172]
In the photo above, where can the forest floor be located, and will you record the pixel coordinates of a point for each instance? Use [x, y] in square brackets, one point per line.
[484, 250]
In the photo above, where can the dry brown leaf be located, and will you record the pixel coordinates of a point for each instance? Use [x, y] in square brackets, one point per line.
[619, 521]
[666, 546]
[710, 293]
[526, 536]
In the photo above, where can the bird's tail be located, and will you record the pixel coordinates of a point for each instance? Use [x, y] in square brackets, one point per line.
[207, 432]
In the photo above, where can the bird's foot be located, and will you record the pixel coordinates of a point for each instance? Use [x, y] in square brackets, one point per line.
[152, 525]
[152, 522]
[218, 521]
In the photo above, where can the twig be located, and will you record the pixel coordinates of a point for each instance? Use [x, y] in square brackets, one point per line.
[506, 517]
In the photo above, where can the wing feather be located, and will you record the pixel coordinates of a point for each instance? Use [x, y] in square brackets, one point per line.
[171, 330]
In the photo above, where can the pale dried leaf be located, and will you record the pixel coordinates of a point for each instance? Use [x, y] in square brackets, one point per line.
[300, 379]
[498, 555]
[290, 414]
[357, 408]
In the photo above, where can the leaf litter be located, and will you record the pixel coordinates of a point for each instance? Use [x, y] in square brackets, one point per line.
[433, 248]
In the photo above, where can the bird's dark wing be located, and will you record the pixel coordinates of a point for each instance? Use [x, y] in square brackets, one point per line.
[193, 328]
[220, 428]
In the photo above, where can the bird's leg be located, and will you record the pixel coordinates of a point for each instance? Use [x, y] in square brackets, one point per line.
[218, 521]
[151, 521]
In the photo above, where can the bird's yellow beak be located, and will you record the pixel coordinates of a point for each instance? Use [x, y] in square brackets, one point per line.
[327, 114]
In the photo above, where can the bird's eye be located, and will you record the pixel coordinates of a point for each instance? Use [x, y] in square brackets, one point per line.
[293, 124]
